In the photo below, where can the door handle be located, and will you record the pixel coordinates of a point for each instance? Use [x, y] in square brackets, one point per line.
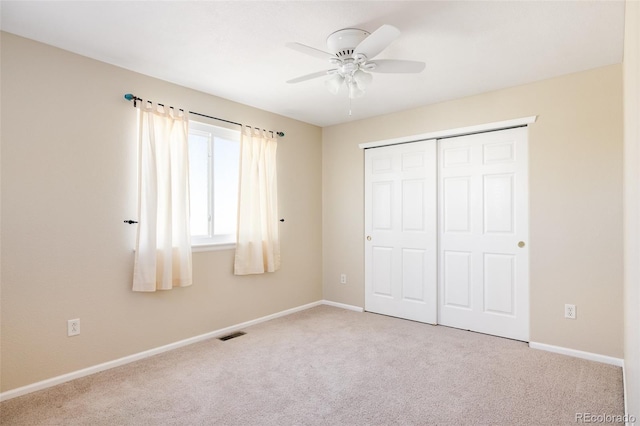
[521, 244]
[368, 237]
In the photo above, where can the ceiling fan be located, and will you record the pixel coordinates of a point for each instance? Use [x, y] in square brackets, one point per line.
[351, 53]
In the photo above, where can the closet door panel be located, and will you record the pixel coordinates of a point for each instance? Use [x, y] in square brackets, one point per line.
[483, 233]
[401, 231]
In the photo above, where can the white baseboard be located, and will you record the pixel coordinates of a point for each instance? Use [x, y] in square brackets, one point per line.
[13, 393]
[343, 306]
[618, 362]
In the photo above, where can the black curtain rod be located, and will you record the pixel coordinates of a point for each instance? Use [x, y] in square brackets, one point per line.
[135, 99]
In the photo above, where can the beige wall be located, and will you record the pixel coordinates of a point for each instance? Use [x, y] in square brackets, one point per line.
[69, 182]
[575, 199]
[632, 206]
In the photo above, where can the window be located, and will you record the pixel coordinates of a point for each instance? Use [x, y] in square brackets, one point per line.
[214, 157]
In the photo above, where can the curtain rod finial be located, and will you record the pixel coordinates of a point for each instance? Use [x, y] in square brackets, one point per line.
[281, 134]
[129, 96]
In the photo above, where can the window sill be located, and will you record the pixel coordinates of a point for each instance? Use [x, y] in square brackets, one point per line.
[212, 247]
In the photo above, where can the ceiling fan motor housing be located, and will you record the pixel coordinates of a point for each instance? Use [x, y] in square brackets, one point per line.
[342, 43]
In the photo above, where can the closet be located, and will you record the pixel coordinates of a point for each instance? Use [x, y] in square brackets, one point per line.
[446, 231]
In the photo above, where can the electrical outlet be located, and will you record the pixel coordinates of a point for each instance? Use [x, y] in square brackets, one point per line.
[343, 278]
[73, 327]
[570, 311]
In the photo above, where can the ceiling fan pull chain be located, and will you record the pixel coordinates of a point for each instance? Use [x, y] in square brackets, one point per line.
[349, 106]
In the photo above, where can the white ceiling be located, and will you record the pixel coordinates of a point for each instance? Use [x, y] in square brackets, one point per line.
[236, 49]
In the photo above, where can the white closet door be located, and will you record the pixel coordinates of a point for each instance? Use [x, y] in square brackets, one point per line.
[483, 233]
[401, 231]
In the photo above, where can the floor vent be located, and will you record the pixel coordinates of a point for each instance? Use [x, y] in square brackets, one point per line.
[232, 336]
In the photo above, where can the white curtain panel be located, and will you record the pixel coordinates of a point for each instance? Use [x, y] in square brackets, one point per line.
[163, 248]
[258, 240]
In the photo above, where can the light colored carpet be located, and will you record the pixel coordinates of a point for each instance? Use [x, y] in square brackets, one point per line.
[329, 366]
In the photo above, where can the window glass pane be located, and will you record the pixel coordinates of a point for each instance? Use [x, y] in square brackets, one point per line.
[226, 159]
[214, 156]
[199, 183]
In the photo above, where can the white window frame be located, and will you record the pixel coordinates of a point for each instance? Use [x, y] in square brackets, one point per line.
[212, 241]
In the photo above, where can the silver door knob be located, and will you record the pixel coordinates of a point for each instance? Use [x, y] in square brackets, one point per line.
[521, 244]
[368, 237]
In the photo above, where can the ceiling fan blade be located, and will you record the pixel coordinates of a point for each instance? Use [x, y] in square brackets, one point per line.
[308, 50]
[377, 41]
[396, 66]
[310, 76]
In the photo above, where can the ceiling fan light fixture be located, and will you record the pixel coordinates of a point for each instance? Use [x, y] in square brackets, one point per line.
[334, 83]
[354, 90]
[363, 79]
